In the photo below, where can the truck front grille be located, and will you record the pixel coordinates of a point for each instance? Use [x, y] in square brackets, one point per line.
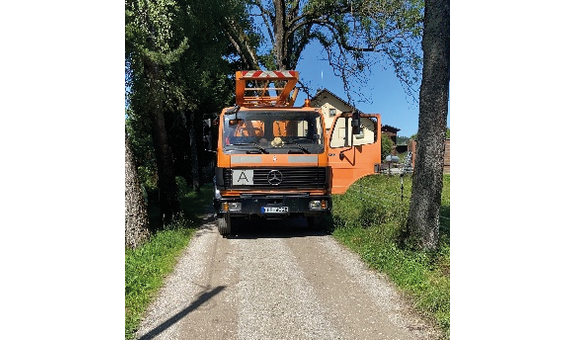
[291, 178]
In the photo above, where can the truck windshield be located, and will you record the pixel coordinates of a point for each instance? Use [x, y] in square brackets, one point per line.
[274, 131]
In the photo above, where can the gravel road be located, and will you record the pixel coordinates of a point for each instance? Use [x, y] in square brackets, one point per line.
[277, 280]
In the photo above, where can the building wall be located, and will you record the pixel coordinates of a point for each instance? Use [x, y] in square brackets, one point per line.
[327, 102]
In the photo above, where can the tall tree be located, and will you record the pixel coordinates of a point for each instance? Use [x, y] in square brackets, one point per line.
[423, 218]
[136, 217]
[150, 49]
[240, 30]
[200, 78]
[354, 33]
[177, 68]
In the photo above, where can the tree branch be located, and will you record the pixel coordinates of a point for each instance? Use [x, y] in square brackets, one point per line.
[267, 17]
[239, 41]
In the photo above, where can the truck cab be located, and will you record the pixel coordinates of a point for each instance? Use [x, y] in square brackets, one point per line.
[275, 161]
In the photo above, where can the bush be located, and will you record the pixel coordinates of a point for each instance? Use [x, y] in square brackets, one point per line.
[386, 145]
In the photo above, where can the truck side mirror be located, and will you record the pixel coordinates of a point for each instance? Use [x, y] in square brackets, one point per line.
[208, 133]
[355, 123]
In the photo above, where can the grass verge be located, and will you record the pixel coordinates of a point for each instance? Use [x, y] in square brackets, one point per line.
[147, 266]
[370, 219]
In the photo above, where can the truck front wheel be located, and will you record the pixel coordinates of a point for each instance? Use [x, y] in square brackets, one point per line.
[225, 225]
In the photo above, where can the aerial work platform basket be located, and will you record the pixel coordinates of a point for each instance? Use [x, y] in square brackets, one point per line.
[253, 88]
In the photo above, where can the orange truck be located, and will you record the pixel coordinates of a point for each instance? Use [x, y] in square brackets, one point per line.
[277, 161]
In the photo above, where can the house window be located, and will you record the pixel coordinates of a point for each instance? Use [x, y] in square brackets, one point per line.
[332, 112]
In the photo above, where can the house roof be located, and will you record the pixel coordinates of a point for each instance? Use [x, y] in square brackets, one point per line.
[319, 93]
[322, 91]
[389, 128]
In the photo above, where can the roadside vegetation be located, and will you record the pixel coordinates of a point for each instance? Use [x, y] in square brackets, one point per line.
[147, 266]
[370, 219]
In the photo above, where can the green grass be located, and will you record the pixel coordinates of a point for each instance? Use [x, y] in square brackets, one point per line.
[148, 265]
[371, 219]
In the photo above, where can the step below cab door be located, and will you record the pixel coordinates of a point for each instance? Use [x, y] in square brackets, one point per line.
[353, 155]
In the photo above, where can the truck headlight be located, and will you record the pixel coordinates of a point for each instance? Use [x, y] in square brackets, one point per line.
[231, 206]
[318, 205]
[234, 206]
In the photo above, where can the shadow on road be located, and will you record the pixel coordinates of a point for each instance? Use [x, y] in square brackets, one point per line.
[168, 323]
[262, 228]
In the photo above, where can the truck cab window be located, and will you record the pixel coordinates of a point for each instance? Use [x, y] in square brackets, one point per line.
[293, 133]
[341, 135]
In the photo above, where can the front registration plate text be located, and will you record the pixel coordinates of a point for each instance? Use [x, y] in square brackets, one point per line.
[274, 210]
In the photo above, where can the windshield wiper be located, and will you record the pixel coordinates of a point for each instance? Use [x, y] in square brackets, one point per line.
[303, 148]
[259, 147]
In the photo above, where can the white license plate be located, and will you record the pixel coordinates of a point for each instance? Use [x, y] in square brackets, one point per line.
[242, 177]
[275, 210]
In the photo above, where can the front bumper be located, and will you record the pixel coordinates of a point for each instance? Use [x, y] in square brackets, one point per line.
[273, 206]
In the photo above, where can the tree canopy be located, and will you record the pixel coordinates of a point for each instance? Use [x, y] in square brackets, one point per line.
[177, 69]
[355, 35]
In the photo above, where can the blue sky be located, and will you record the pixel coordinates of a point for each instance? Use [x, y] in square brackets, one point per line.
[387, 96]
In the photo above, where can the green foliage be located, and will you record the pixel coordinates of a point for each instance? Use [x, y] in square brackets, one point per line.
[402, 140]
[386, 145]
[178, 65]
[186, 41]
[374, 201]
[143, 150]
[370, 218]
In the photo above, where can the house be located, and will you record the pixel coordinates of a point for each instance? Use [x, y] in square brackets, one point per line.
[391, 132]
[332, 105]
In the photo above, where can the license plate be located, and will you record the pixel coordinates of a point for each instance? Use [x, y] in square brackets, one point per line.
[274, 210]
[242, 177]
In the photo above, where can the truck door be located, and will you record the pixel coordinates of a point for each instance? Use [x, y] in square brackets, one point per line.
[352, 156]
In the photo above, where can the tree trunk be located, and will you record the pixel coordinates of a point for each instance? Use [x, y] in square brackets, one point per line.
[280, 43]
[166, 177]
[196, 180]
[238, 40]
[136, 214]
[423, 219]
[167, 180]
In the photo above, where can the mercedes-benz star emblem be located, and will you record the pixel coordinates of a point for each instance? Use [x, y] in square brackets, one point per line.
[275, 177]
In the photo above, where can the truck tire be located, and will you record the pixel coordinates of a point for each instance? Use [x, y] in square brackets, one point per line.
[224, 225]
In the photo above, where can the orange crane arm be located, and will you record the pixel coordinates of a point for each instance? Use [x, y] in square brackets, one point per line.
[284, 99]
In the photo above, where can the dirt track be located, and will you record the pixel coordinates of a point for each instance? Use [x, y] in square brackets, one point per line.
[276, 280]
